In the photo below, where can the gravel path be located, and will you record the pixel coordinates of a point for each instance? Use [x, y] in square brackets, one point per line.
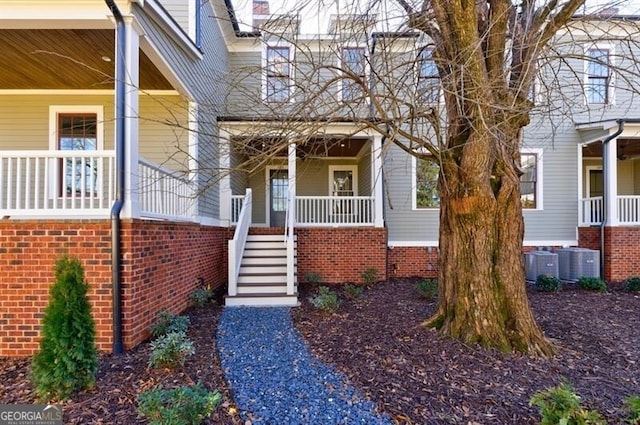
[274, 378]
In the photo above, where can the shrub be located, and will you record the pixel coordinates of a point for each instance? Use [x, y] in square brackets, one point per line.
[168, 323]
[68, 360]
[353, 291]
[561, 405]
[427, 288]
[170, 350]
[632, 406]
[326, 300]
[548, 283]
[592, 284]
[370, 275]
[313, 277]
[201, 296]
[632, 284]
[178, 406]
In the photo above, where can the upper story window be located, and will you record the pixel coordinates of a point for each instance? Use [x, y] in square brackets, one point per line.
[278, 74]
[428, 77]
[529, 180]
[598, 76]
[354, 65]
[426, 183]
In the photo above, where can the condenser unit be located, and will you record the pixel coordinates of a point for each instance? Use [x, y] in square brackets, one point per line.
[578, 262]
[566, 257]
[540, 262]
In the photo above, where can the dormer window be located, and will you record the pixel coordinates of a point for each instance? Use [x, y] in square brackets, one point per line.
[428, 77]
[278, 74]
[598, 76]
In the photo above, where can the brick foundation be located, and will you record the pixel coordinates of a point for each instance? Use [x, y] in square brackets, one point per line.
[162, 264]
[621, 253]
[410, 261]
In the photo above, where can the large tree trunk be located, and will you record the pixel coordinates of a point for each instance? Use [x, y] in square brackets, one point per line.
[482, 292]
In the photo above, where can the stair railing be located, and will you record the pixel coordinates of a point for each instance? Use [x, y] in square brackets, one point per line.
[236, 245]
[290, 219]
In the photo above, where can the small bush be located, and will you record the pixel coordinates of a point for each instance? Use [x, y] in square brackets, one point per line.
[427, 288]
[632, 284]
[548, 283]
[178, 406]
[68, 359]
[201, 296]
[170, 350]
[326, 300]
[313, 277]
[353, 291]
[592, 284]
[168, 323]
[561, 405]
[370, 275]
[632, 406]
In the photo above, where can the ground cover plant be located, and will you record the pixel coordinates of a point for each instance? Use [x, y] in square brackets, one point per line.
[408, 371]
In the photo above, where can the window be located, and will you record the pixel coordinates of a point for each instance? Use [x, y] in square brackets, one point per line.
[598, 76]
[78, 132]
[529, 180]
[428, 78]
[278, 74]
[354, 65]
[426, 183]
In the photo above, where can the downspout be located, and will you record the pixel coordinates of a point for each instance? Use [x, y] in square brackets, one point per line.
[116, 253]
[605, 172]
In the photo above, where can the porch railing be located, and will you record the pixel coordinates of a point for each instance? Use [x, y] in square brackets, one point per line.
[56, 183]
[164, 193]
[236, 207]
[592, 210]
[629, 210]
[335, 210]
[236, 245]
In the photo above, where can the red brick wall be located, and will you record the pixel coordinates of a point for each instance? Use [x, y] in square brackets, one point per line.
[589, 237]
[622, 250]
[162, 264]
[409, 261]
[28, 252]
[341, 254]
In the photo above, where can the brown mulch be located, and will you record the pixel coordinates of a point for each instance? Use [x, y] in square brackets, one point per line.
[407, 370]
[418, 377]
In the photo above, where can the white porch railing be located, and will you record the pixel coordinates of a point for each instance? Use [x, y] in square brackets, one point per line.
[335, 210]
[236, 245]
[56, 183]
[591, 211]
[164, 193]
[236, 207]
[629, 210]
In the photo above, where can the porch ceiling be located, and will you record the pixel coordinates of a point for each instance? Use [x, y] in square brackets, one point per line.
[65, 59]
[627, 148]
[332, 147]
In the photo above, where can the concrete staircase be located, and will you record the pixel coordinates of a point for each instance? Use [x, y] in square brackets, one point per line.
[263, 274]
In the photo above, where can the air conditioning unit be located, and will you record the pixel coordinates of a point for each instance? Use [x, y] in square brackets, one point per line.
[578, 262]
[540, 262]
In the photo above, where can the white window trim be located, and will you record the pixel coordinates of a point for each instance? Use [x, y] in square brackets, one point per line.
[539, 178]
[292, 70]
[611, 89]
[367, 67]
[354, 173]
[54, 111]
[414, 187]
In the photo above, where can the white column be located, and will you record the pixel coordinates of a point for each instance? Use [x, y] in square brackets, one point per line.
[291, 215]
[132, 65]
[292, 182]
[224, 143]
[194, 138]
[376, 180]
[610, 169]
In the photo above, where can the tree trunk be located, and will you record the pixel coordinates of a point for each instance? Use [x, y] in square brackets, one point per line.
[482, 292]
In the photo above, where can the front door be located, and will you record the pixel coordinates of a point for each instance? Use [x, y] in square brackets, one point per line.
[279, 190]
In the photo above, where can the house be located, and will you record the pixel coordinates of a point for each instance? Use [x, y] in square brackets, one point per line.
[169, 148]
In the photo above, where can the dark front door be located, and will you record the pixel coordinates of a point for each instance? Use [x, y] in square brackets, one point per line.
[279, 189]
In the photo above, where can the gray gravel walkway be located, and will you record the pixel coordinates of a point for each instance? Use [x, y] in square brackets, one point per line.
[275, 379]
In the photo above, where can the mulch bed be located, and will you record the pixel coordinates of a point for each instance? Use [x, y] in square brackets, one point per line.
[410, 372]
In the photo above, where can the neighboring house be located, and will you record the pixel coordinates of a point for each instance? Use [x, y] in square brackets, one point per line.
[246, 164]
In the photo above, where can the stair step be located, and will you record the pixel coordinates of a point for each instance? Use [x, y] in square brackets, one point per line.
[263, 261]
[262, 288]
[264, 300]
[277, 237]
[266, 245]
[280, 278]
[262, 269]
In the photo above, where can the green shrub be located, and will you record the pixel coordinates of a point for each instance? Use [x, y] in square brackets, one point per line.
[427, 288]
[632, 284]
[561, 405]
[326, 300]
[313, 277]
[370, 275]
[170, 350]
[178, 406]
[68, 360]
[548, 283]
[201, 296]
[167, 323]
[632, 406]
[592, 284]
[353, 291]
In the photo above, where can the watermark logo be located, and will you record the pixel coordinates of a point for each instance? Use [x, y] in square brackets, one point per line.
[30, 414]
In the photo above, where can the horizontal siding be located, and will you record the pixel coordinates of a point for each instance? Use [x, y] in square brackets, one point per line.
[179, 11]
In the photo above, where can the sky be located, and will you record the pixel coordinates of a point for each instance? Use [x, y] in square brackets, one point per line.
[315, 14]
